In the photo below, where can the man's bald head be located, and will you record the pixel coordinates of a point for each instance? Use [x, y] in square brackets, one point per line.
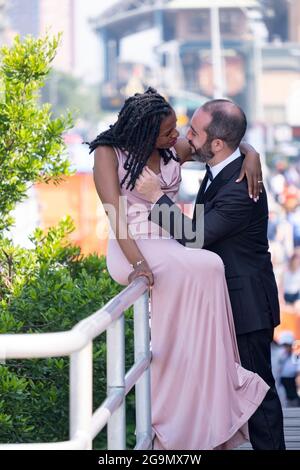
[228, 121]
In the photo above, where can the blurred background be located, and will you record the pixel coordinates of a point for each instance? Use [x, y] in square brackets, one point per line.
[191, 51]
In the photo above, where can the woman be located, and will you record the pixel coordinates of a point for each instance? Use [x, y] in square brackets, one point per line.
[201, 397]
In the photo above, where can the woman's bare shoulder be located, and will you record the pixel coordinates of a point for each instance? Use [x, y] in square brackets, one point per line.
[105, 154]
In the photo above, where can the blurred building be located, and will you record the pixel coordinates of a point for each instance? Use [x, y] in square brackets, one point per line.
[276, 17]
[184, 57]
[260, 44]
[282, 18]
[56, 16]
[2, 19]
[24, 20]
[281, 83]
[280, 63]
[36, 17]
[294, 20]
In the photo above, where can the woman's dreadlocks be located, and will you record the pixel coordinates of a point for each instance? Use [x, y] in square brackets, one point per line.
[136, 132]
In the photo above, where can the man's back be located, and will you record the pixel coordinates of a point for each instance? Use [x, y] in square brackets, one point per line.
[243, 248]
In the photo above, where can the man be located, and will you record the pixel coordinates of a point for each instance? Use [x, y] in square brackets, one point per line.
[235, 227]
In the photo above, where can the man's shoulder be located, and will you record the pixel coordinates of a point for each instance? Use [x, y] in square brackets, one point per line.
[231, 187]
[238, 193]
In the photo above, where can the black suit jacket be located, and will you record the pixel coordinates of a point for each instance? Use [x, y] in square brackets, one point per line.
[234, 227]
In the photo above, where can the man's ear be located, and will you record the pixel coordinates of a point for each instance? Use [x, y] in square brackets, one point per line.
[217, 145]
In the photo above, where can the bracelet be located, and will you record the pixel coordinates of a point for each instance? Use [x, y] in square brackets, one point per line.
[135, 265]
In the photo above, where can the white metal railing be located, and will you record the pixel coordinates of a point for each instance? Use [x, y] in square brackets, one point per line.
[77, 343]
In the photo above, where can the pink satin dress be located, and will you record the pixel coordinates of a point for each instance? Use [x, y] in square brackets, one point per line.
[202, 397]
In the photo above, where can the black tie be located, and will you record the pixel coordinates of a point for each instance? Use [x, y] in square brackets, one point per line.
[209, 173]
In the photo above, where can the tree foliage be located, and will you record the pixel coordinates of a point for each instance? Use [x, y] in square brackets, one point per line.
[31, 141]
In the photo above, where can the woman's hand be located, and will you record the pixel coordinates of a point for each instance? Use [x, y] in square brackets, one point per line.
[142, 270]
[148, 185]
[251, 168]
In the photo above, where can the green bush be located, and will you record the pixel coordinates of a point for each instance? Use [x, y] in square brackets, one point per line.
[50, 288]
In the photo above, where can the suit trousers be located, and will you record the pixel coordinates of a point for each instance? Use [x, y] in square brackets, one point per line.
[266, 424]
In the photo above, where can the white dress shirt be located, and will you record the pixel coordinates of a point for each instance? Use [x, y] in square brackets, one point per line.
[215, 169]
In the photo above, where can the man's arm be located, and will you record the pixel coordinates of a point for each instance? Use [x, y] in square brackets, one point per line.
[230, 214]
[186, 231]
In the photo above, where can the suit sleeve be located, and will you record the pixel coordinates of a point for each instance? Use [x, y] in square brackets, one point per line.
[230, 214]
[188, 232]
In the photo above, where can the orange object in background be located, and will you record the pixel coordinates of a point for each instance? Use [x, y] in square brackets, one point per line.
[289, 320]
[75, 196]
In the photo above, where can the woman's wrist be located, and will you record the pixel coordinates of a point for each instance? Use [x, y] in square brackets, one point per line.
[248, 150]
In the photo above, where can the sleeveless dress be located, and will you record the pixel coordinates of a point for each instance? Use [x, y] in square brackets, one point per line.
[201, 396]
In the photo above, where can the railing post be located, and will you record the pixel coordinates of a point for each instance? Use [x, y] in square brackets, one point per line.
[116, 426]
[142, 387]
[81, 393]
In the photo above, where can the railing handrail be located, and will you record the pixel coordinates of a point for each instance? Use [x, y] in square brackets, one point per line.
[77, 343]
[64, 343]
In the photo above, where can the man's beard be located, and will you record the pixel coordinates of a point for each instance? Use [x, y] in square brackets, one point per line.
[203, 154]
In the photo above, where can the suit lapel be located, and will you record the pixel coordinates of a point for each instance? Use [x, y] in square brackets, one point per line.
[201, 191]
[213, 188]
[222, 178]
[199, 198]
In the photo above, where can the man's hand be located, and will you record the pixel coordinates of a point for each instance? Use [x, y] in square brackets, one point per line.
[148, 184]
[251, 168]
[142, 270]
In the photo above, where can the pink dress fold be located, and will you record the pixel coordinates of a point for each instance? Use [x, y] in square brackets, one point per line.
[202, 398]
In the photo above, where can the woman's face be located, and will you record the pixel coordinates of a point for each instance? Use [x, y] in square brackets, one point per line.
[168, 133]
